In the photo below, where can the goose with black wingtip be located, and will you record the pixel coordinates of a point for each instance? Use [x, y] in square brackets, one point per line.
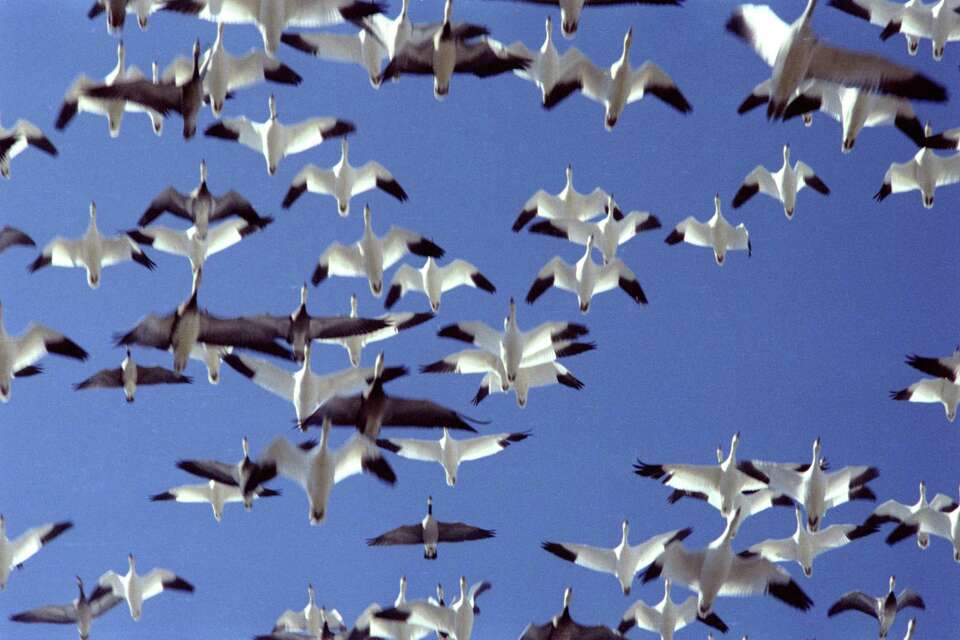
[135, 588]
[216, 494]
[14, 552]
[17, 139]
[434, 280]
[782, 185]
[716, 233]
[932, 391]
[567, 204]
[919, 518]
[667, 617]
[924, 172]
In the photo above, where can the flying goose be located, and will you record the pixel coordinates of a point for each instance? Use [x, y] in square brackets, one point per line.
[235, 474]
[450, 452]
[796, 54]
[135, 588]
[562, 626]
[608, 234]
[945, 524]
[445, 54]
[343, 181]
[117, 10]
[947, 367]
[816, 489]
[724, 483]
[666, 618]
[12, 237]
[920, 518]
[371, 255]
[214, 493]
[14, 552]
[128, 376]
[623, 561]
[19, 353]
[715, 232]
[396, 322]
[195, 246]
[370, 627]
[586, 278]
[916, 20]
[804, 545]
[311, 620]
[15, 141]
[80, 612]
[276, 140]
[317, 468]
[271, 17]
[76, 99]
[568, 204]
[932, 390]
[925, 172]
[717, 571]
[429, 533]
[620, 85]
[884, 608]
[782, 185]
[456, 620]
[226, 73]
[570, 10]
[188, 326]
[749, 503]
[434, 280]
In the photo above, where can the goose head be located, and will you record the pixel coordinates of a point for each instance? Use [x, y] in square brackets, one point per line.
[666, 588]
[893, 584]
[303, 296]
[786, 154]
[378, 366]
[463, 585]
[911, 625]
[218, 43]
[817, 451]
[402, 594]
[195, 285]
[511, 319]
[923, 493]
[569, 22]
[203, 174]
[548, 36]
[245, 444]
[430, 505]
[627, 42]
[587, 256]
[720, 456]
[568, 173]
[734, 443]
[131, 563]
[719, 251]
[311, 595]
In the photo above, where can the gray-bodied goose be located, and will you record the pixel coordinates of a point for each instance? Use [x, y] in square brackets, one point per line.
[81, 612]
[883, 608]
[130, 375]
[429, 533]
[211, 492]
[563, 627]
[232, 474]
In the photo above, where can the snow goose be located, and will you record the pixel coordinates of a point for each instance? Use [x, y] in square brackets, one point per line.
[946, 525]
[226, 73]
[92, 251]
[14, 552]
[444, 54]
[130, 375]
[450, 452]
[19, 353]
[317, 468]
[117, 11]
[570, 10]
[188, 326]
[200, 207]
[434, 280]
[15, 141]
[925, 172]
[275, 140]
[608, 234]
[457, 620]
[804, 546]
[796, 54]
[718, 571]
[724, 483]
[76, 99]
[715, 232]
[371, 255]
[937, 21]
[932, 390]
[135, 588]
[230, 474]
[193, 245]
[568, 204]
[12, 237]
[620, 85]
[586, 278]
[396, 322]
[884, 608]
[343, 181]
[667, 617]
[782, 185]
[81, 612]
[214, 493]
[816, 489]
[271, 18]
[430, 532]
[947, 367]
[311, 620]
[919, 518]
[623, 561]
[563, 626]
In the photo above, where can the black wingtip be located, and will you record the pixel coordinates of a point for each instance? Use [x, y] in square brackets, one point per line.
[440, 366]
[41, 262]
[57, 529]
[790, 594]
[219, 130]
[426, 248]
[651, 573]
[559, 550]
[744, 193]
[569, 380]
[482, 282]
[162, 497]
[676, 236]
[392, 296]
[751, 102]
[884, 191]
[379, 467]
[525, 216]
[514, 437]
[283, 75]
[339, 128]
[645, 470]
[384, 443]
[319, 274]
[294, 192]
[901, 394]
[178, 584]
[297, 41]
[862, 531]
[902, 532]
[238, 365]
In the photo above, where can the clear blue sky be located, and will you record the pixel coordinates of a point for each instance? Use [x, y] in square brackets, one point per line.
[802, 340]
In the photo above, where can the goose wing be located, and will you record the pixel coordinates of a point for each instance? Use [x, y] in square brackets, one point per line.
[545, 335]
[650, 78]
[399, 242]
[169, 201]
[422, 614]
[413, 57]
[410, 412]
[948, 367]
[233, 204]
[636, 222]
[761, 28]
[38, 340]
[594, 558]
[51, 614]
[229, 233]
[477, 333]
[159, 580]
[319, 13]
[313, 179]
[361, 455]
[854, 601]
[60, 252]
[310, 133]
[374, 175]
[413, 448]
[484, 446]
[240, 129]
[121, 249]
[483, 61]
[909, 598]
[407, 534]
[556, 273]
[873, 73]
[900, 177]
[187, 493]
[333, 327]
[159, 375]
[10, 237]
[782, 550]
[549, 373]
[284, 458]
[461, 532]
[946, 170]
[405, 279]
[462, 273]
[758, 180]
[466, 361]
[640, 614]
[264, 374]
[338, 260]
[240, 332]
[27, 544]
[687, 477]
[750, 574]
[691, 231]
[256, 67]
[576, 231]
[162, 97]
[890, 511]
[152, 331]
[617, 274]
[810, 179]
[878, 12]
[212, 469]
[328, 46]
[679, 565]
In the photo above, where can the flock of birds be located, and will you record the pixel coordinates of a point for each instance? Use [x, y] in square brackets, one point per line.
[858, 89]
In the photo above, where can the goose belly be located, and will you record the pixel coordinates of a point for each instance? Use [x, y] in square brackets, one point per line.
[319, 485]
[716, 566]
[183, 340]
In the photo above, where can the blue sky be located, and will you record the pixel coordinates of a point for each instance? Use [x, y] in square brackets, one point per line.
[802, 340]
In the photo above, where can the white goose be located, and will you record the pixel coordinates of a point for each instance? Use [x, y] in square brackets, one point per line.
[715, 232]
[568, 204]
[117, 11]
[135, 588]
[925, 172]
[81, 612]
[226, 73]
[14, 552]
[667, 617]
[783, 185]
[19, 353]
[130, 375]
[214, 493]
[608, 234]
[570, 10]
[193, 245]
[429, 533]
[434, 280]
[317, 468]
[563, 625]
[916, 20]
[371, 255]
[947, 367]
[919, 518]
[796, 54]
[884, 608]
[718, 571]
[274, 140]
[935, 391]
[343, 181]
[946, 526]
[544, 374]
[804, 545]
[310, 620]
[76, 99]
[456, 620]
[623, 561]
[450, 452]
[621, 85]
[586, 278]
[15, 141]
